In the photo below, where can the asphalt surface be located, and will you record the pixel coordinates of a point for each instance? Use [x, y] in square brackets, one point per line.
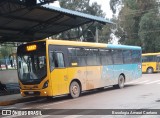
[8, 76]
[138, 94]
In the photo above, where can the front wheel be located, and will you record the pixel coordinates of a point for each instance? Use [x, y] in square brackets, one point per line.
[120, 82]
[75, 89]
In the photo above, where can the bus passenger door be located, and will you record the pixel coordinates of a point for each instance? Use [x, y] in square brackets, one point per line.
[58, 73]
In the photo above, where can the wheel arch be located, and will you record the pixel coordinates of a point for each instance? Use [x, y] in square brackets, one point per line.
[78, 81]
[149, 67]
[123, 76]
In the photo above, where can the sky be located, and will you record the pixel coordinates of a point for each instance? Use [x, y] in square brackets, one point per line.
[104, 6]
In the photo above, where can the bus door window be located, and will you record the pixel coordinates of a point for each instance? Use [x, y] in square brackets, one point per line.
[56, 60]
[60, 59]
[52, 60]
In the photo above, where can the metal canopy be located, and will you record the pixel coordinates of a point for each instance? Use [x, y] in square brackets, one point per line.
[19, 23]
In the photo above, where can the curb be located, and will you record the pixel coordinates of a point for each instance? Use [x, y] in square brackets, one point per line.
[19, 100]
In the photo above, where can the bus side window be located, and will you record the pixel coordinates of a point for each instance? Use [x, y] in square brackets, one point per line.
[136, 56]
[60, 59]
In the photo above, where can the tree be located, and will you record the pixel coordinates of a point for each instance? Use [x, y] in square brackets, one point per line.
[85, 32]
[149, 32]
[133, 17]
[5, 54]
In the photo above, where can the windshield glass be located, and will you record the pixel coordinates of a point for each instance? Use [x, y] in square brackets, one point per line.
[32, 67]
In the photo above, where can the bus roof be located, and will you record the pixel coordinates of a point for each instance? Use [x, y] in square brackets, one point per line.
[88, 44]
[151, 54]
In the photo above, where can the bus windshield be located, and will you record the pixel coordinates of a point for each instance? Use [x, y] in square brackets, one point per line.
[32, 67]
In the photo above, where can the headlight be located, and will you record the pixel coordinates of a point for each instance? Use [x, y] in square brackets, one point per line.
[45, 85]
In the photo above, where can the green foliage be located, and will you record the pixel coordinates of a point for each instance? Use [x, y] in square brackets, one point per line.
[149, 32]
[138, 23]
[77, 5]
[131, 4]
[85, 32]
[114, 4]
[104, 34]
[4, 52]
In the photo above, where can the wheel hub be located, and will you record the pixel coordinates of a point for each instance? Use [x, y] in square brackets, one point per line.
[75, 90]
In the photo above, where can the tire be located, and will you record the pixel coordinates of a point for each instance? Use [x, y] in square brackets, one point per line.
[100, 89]
[149, 70]
[75, 90]
[120, 84]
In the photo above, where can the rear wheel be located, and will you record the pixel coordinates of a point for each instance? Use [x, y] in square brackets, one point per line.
[149, 70]
[120, 82]
[75, 89]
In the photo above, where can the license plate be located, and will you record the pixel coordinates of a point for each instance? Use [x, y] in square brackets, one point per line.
[31, 92]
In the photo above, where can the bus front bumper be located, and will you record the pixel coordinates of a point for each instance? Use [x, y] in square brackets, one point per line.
[42, 92]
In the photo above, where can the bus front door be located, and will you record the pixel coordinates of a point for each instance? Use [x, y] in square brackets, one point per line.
[58, 77]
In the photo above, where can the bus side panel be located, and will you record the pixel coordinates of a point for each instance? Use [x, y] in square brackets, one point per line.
[137, 71]
[78, 73]
[59, 81]
[146, 65]
[93, 77]
[132, 71]
[107, 75]
[118, 69]
[128, 72]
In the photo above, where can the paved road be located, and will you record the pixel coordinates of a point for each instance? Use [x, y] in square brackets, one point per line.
[8, 76]
[138, 94]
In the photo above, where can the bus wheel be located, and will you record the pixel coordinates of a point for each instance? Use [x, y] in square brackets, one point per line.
[75, 90]
[120, 82]
[149, 70]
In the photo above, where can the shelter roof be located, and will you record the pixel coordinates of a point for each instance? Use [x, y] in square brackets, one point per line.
[19, 23]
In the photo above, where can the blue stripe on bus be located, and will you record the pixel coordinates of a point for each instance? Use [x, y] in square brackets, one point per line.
[123, 47]
[131, 71]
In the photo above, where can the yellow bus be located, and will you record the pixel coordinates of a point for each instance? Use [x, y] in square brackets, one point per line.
[150, 62]
[55, 67]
